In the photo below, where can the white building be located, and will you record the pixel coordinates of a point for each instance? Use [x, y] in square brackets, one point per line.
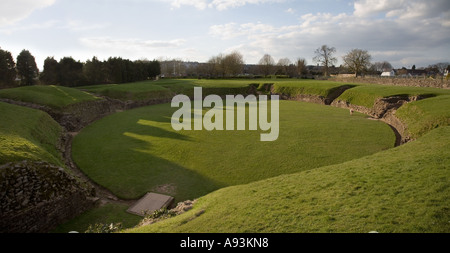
[388, 74]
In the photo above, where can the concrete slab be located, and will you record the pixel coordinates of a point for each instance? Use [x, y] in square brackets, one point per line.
[150, 203]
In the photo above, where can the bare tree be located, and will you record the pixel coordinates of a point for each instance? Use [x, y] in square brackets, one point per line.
[324, 56]
[215, 66]
[382, 66]
[441, 67]
[283, 66]
[233, 64]
[357, 61]
[266, 64]
[301, 67]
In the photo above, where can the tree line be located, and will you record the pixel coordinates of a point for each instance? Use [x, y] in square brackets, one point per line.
[357, 62]
[69, 72]
[72, 73]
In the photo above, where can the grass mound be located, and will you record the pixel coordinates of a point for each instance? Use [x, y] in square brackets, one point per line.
[56, 97]
[405, 189]
[130, 91]
[28, 134]
[319, 88]
[425, 115]
[137, 151]
[366, 95]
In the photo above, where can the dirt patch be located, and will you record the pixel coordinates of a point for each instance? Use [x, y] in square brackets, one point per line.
[384, 109]
[169, 189]
[317, 99]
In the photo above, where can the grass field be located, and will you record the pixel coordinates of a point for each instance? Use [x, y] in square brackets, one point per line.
[137, 151]
[56, 97]
[28, 134]
[327, 172]
[402, 190]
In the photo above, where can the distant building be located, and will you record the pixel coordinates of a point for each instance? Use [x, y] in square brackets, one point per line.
[388, 74]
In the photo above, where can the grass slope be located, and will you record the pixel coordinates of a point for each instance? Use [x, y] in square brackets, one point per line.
[137, 151]
[53, 96]
[425, 115]
[405, 189]
[28, 134]
[366, 95]
[307, 87]
[130, 91]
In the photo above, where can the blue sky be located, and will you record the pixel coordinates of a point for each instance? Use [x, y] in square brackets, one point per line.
[403, 32]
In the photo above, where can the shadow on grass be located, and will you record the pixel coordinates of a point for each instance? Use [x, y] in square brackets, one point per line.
[149, 172]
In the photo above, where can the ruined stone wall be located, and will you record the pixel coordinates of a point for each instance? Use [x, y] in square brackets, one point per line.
[37, 196]
[413, 82]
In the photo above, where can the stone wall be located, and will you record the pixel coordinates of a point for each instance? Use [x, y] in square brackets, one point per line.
[414, 82]
[37, 196]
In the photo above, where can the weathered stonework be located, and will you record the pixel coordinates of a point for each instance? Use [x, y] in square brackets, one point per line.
[37, 196]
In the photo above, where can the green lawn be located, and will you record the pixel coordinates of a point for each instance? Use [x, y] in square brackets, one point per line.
[28, 134]
[56, 97]
[137, 151]
[367, 94]
[402, 190]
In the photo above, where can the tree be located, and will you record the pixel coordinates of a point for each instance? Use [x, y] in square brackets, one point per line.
[50, 75]
[26, 67]
[301, 67]
[440, 66]
[283, 66]
[383, 66]
[266, 65]
[95, 71]
[324, 56]
[215, 66]
[233, 64]
[7, 69]
[71, 72]
[357, 61]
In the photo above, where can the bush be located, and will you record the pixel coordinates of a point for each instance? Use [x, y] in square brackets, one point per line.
[104, 228]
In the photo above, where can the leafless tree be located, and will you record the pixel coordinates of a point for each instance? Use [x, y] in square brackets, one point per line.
[283, 66]
[357, 61]
[266, 65]
[301, 67]
[324, 56]
[382, 66]
[233, 64]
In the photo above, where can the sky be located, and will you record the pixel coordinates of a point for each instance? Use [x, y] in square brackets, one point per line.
[403, 32]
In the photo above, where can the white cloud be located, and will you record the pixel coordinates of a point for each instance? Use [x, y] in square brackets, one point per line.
[220, 5]
[291, 11]
[12, 11]
[402, 9]
[233, 30]
[402, 39]
[129, 44]
[199, 4]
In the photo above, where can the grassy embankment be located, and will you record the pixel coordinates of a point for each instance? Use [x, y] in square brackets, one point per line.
[28, 134]
[56, 97]
[419, 116]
